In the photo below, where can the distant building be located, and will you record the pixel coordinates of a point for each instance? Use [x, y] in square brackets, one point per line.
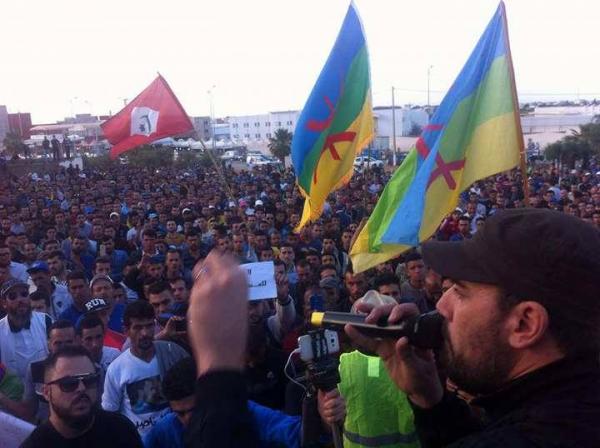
[4, 127]
[20, 124]
[254, 131]
[409, 121]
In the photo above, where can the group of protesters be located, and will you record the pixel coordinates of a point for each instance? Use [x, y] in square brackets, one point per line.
[98, 271]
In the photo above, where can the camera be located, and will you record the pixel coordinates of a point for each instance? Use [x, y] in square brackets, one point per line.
[316, 350]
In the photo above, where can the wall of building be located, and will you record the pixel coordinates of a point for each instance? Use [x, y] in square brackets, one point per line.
[20, 124]
[4, 128]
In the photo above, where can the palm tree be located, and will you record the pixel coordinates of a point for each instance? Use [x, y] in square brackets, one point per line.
[280, 144]
[13, 144]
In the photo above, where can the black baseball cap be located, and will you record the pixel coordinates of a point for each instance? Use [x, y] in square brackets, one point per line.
[530, 253]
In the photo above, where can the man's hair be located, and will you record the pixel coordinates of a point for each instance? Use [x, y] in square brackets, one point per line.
[385, 279]
[140, 309]
[278, 262]
[67, 351]
[60, 324]
[103, 259]
[180, 380]
[149, 233]
[176, 279]
[40, 294]
[47, 242]
[56, 253]
[192, 232]
[76, 275]
[413, 256]
[302, 263]
[326, 267]
[87, 322]
[159, 287]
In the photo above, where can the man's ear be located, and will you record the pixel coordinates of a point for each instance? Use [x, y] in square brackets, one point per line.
[528, 323]
[47, 392]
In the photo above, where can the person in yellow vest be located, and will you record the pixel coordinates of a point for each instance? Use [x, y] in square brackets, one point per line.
[378, 414]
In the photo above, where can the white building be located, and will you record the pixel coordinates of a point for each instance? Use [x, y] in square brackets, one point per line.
[254, 131]
[407, 120]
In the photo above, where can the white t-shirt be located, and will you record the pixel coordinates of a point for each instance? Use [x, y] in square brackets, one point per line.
[133, 388]
[60, 300]
[109, 354]
[18, 271]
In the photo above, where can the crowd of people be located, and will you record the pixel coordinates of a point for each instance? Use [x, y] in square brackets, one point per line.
[97, 270]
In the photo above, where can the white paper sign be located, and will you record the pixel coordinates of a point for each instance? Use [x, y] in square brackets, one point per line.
[13, 431]
[261, 280]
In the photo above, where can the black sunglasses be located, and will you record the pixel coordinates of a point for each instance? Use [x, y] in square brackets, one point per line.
[69, 384]
[14, 295]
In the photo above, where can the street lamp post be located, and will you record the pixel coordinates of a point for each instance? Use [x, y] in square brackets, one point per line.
[428, 84]
[212, 114]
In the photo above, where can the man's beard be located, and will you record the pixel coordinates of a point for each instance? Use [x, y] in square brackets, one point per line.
[78, 422]
[487, 370]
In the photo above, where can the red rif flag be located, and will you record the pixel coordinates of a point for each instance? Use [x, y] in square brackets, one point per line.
[154, 114]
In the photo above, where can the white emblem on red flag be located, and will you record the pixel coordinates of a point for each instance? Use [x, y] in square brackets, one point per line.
[143, 121]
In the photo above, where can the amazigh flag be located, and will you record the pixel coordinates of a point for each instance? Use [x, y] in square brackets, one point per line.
[154, 114]
[337, 120]
[475, 133]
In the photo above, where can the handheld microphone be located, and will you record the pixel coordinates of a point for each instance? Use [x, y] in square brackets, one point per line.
[423, 331]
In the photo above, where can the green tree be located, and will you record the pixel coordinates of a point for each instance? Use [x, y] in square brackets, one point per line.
[280, 144]
[13, 144]
[150, 157]
[590, 133]
[568, 150]
[415, 130]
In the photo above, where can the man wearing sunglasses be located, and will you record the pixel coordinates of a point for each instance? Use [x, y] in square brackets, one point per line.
[71, 388]
[23, 333]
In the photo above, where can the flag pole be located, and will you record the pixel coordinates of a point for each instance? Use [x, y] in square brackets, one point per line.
[216, 165]
[517, 115]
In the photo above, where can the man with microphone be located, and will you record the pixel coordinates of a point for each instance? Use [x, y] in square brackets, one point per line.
[521, 327]
[522, 335]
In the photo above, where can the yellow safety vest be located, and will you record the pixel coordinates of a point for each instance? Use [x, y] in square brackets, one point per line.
[378, 413]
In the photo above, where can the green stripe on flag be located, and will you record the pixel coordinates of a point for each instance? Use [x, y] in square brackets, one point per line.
[356, 85]
[390, 199]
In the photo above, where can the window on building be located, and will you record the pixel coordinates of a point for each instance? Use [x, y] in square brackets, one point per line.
[267, 124]
[245, 125]
[289, 123]
[247, 135]
[234, 125]
[268, 135]
[256, 124]
[279, 123]
[257, 135]
[236, 136]
[206, 122]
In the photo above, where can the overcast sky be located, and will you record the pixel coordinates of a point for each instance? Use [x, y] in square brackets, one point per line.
[65, 56]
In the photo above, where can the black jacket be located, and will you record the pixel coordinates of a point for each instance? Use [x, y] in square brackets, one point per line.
[555, 406]
[221, 418]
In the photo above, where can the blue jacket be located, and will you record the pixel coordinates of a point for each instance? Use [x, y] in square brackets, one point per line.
[275, 429]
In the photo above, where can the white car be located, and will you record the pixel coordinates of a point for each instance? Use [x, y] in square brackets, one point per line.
[365, 161]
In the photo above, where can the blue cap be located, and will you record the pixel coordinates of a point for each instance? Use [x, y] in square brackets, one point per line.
[37, 266]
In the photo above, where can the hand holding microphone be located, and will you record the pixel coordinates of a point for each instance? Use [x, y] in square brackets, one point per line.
[413, 369]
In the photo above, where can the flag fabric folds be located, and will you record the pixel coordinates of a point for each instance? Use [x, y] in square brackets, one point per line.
[154, 114]
[474, 134]
[337, 120]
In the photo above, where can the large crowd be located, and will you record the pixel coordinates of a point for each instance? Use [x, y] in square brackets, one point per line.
[96, 270]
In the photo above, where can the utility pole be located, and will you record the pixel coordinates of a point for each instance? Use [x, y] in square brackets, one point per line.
[394, 128]
[428, 83]
[212, 115]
